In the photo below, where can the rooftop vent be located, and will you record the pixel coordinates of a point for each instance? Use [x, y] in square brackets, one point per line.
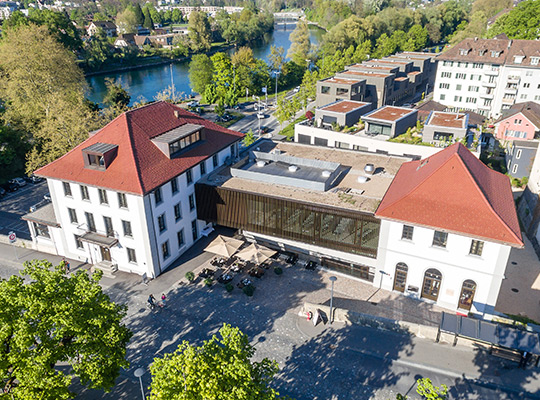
[176, 113]
[293, 168]
[362, 179]
[261, 163]
[326, 174]
[369, 169]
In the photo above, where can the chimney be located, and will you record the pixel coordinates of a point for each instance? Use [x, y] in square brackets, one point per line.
[176, 114]
[476, 39]
[509, 43]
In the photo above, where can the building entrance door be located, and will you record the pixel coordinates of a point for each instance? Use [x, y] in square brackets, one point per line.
[467, 295]
[432, 284]
[105, 253]
[400, 277]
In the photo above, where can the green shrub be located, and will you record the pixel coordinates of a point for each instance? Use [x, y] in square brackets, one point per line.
[278, 270]
[249, 290]
[229, 287]
[208, 281]
[190, 276]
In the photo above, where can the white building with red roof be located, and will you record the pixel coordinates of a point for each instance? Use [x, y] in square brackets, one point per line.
[125, 197]
[448, 223]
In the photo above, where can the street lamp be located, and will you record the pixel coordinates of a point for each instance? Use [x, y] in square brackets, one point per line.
[139, 372]
[277, 74]
[332, 279]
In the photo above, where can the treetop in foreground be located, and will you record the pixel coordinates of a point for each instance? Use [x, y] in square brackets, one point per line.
[49, 319]
[218, 369]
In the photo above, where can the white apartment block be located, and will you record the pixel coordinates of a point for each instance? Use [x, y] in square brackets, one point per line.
[488, 76]
[125, 198]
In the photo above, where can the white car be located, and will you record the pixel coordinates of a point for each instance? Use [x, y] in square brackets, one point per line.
[296, 89]
[20, 182]
[193, 103]
[260, 115]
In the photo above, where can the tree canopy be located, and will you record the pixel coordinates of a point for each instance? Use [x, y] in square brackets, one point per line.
[520, 23]
[47, 318]
[221, 368]
[44, 93]
[200, 72]
[300, 44]
[200, 34]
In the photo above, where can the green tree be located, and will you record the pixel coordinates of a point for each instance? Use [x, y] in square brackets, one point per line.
[300, 44]
[127, 21]
[176, 16]
[419, 36]
[138, 14]
[116, 95]
[49, 318]
[13, 148]
[97, 50]
[520, 23]
[276, 59]
[147, 23]
[249, 139]
[426, 389]
[221, 368]
[44, 93]
[201, 71]
[200, 34]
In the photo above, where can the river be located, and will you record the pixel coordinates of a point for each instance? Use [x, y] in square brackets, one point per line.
[145, 83]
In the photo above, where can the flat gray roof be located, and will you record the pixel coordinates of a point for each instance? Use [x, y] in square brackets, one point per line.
[101, 148]
[44, 215]
[177, 133]
[346, 191]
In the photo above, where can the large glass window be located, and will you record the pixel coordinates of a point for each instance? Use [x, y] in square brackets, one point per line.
[194, 231]
[476, 247]
[350, 231]
[177, 212]
[122, 200]
[191, 202]
[400, 277]
[90, 223]
[432, 284]
[325, 89]
[67, 189]
[132, 257]
[440, 238]
[407, 232]
[103, 196]
[126, 227]
[174, 185]
[180, 238]
[72, 216]
[108, 226]
[161, 223]
[42, 230]
[158, 198]
[165, 252]
[379, 129]
[466, 297]
[189, 176]
[84, 193]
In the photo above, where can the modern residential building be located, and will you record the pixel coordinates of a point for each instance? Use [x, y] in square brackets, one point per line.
[125, 197]
[520, 156]
[448, 223]
[390, 121]
[488, 76]
[445, 127]
[333, 89]
[109, 28]
[341, 112]
[521, 121]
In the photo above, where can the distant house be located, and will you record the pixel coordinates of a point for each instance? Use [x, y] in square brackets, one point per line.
[445, 126]
[162, 40]
[521, 121]
[125, 40]
[108, 27]
[141, 41]
[7, 8]
[520, 156]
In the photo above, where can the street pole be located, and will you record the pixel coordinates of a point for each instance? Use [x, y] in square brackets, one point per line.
[332, 279]
[277, 73]
[139, 372]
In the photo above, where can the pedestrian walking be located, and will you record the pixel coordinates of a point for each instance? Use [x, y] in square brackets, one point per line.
[163, 298]
[523, 360]
[151, 301]
[65, 265]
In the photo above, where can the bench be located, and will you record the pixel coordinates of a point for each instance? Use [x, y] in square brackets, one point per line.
[507, 354]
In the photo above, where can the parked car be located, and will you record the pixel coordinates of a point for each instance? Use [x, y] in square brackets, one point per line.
[10, 187]
[193, 103]
[20, 182]
[408, 105]
[33, 179]
[265, 129]
[260, 115]
[238, 107]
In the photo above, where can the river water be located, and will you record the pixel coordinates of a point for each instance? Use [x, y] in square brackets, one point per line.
[145, 83]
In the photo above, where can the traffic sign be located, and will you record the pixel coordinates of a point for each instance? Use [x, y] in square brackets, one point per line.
[12, 237]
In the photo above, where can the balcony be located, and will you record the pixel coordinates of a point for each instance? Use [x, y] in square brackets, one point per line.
[492, 71]
[489, 84]
[508, 101]
[484, 106]
[510, 90]
[486, 95]
[513, 79]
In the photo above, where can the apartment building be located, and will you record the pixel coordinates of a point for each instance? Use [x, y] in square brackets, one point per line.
[385, 81]
[444, 127]
[125, 198]
[488, 76]
[521, 121]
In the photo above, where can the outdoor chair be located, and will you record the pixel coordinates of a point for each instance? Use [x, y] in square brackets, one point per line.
[225, 278]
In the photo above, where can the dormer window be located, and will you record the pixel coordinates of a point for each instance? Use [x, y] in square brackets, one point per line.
[463, 52]
[535, 60]
[518, 59]
[481, 52]
[495, 53]
[178, 139]
[99, 155]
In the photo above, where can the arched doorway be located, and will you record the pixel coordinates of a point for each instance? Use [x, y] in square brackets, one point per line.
[400, 277]
[432, 284]
[466, 296]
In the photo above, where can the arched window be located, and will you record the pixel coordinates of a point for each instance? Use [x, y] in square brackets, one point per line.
[432, 284]
[466, 296]
[400, 277]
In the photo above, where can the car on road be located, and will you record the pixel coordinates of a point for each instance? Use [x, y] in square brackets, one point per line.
[33, 179]
[260, 115]
[193, 103]
[238, 107]
[296, 89]
[408, 105]
[265, 129]
[10, 187]
[20, 182]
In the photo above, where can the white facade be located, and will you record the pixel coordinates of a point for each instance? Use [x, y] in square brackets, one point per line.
[487, 89]
[454, 262]
[136, 227]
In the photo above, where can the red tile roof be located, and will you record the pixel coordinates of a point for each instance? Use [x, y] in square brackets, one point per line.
[454, 191]
[140, 166]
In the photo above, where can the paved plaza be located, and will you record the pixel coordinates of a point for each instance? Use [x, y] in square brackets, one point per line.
[324, 362]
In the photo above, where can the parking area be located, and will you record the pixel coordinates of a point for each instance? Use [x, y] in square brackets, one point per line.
[14, 205]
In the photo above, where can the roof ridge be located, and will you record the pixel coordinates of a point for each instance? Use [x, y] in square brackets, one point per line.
[413, 189]
[134, 151]
[484, 197]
